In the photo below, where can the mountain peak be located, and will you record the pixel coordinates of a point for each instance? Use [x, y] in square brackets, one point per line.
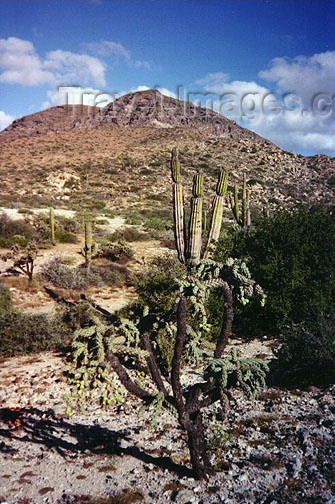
[150, 107]
[142, 108]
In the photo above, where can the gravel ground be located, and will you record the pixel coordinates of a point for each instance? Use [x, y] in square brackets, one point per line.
[277, 449]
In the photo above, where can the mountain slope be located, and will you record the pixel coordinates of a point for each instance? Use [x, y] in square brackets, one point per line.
[143, 108]
[119, 157]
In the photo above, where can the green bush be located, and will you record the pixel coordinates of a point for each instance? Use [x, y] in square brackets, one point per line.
[61, 275]
[22, 333]
[67, 277]
[128, 234]
[5, 300]
[156, 222]
[16, 232]
[66, 224]
[291, 255]
[307, 356]
[120, 251]
[65, 237]
[158, 289]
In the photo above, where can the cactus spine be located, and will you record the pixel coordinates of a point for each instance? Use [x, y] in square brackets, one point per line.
[195, 225]
[52, 225]
[217, 213]
[242, 216]
[88, 245]
[178, 206]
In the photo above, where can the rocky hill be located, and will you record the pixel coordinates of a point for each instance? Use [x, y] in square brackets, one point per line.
[119, 157]
[142, 108]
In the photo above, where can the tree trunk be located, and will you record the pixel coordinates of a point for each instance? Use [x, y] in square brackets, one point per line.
[198, 447]
[227, 322]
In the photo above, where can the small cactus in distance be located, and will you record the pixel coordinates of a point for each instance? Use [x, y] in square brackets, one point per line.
[52, 225]
[241, 214]
[89, 248]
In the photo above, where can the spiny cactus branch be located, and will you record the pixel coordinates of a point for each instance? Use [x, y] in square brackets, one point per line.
[242, 215]
[178, 206]
[217, 214]
[195, 225]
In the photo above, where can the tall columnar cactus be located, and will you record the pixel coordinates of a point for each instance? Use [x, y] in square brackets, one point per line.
[52, 225]
[88, 244]
[242, 215]
[178, 205]
[217, 213]
[195, 225]
[204, 220]
[189, 244]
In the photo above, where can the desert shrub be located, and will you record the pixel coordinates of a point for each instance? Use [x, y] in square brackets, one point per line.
[65, 237]
[307, 356]
[66, 277]
[5, 300]
[291, 255]
[22, 333]
[128, 234]
[158, 290]
[26, 211]
[157, 222]
[113, 274]
[120, 251]
[61, 275]
[67, 224]
[16, 232]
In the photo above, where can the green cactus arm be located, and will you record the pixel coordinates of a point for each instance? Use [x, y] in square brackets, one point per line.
[217, 213]
[235, 205]
[248, 214]
[195, 225]
[175, 165]
[178, 206]
[244, 202]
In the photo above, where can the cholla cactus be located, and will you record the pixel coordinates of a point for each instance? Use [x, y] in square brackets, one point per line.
[241, 215]
[24, 260]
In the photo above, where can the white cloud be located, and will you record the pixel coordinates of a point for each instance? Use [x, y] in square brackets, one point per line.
[115, 51]
[218, 83]
[74, 68]
[162, 90]
[21, 64]
[305, 76]
[107, 48]
[290, 129]
[76, 95]
[5, 120]
[140, 64]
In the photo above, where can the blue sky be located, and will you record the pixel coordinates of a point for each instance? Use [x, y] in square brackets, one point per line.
[219, 47]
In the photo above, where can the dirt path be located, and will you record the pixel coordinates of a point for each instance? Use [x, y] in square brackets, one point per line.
[32, 298]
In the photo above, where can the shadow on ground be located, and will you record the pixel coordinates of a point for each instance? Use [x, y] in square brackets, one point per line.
[31, 425]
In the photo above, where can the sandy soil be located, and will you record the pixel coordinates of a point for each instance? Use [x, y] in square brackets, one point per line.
[276, 449]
